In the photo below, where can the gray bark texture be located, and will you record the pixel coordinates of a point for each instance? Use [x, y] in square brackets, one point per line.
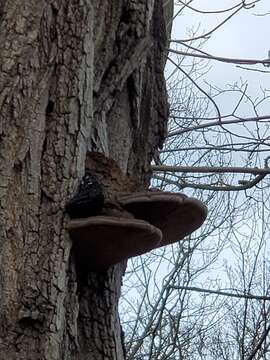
[75, 76]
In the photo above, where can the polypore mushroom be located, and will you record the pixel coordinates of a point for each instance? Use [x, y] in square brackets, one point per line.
[102, 241]
[175, 214]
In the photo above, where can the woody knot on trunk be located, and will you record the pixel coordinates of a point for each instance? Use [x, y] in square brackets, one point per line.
[112, 221]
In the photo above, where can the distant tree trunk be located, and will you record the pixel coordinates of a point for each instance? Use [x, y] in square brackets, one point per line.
[74, 76]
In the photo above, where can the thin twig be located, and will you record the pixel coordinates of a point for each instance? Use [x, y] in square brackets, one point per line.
[211, 11]
[198, 87]
[207, 35]
[256, 70]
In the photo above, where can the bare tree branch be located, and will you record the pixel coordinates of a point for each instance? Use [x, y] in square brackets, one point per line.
[216, 123]
[211, 11]
[257, 348]
[244, 184]
[265, 62]
[223, 293]
[243, 5]
[208, 169]
[225, 147]
[198, 87]
[256, 70]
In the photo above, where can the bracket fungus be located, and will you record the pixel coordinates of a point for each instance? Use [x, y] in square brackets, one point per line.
[111, 220]
[102, 241]
[175, 214]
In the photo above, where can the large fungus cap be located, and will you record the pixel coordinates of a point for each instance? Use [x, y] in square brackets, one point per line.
[102, 241]
[175, 214]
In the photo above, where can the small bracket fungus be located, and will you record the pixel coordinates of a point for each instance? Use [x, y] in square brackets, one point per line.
[102, 241]
[176, 215]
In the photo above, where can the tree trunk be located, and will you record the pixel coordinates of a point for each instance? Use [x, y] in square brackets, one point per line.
[74, 76]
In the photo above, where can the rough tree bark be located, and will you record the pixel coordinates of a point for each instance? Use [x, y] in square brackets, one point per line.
[75, 75]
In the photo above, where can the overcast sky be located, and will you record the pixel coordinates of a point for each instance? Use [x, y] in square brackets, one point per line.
[246, 35]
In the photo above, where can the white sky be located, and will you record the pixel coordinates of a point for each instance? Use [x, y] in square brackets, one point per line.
[244, 36]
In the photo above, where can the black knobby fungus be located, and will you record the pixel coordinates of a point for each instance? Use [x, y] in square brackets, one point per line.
[89, 199]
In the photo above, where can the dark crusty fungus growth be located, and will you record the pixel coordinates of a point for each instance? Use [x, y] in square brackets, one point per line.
[89, 199]
[176, 215]
[102, 241]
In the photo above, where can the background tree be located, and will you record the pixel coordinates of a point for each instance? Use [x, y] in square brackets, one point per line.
[74, 76]
[207, 297]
